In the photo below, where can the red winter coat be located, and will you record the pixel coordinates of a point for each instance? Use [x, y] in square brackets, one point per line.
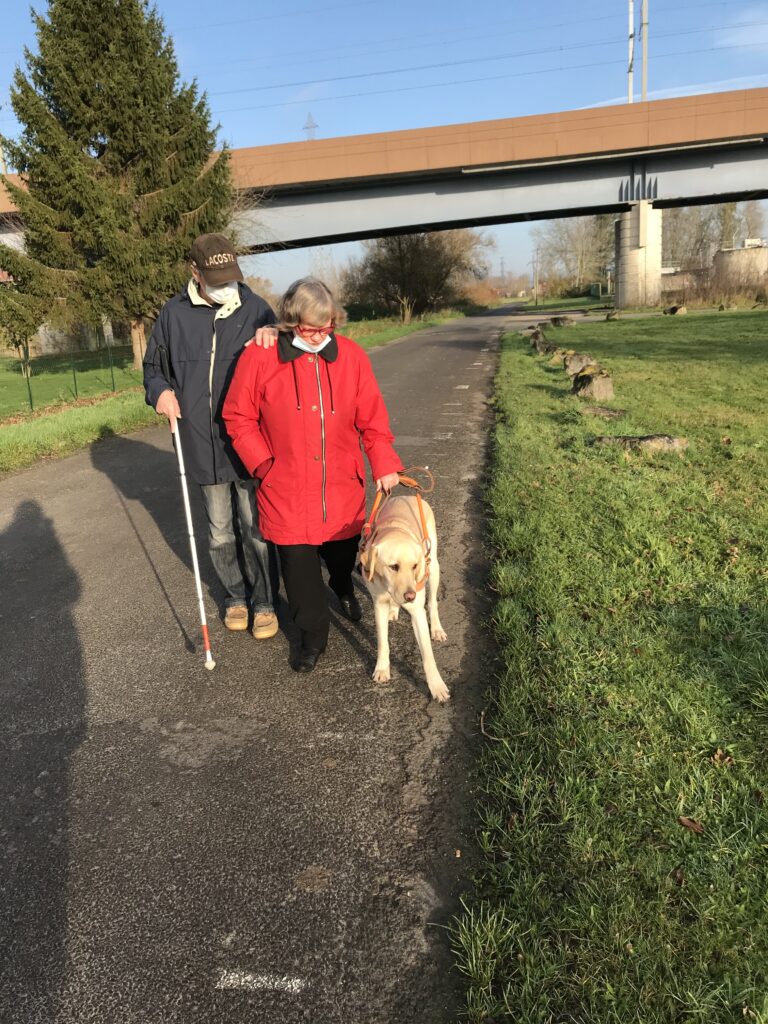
[308, 413]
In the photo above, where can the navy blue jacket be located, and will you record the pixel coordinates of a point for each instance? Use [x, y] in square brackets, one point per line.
[203, 344]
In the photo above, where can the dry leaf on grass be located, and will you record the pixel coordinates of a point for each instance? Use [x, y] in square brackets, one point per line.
[720, 757]
[690, 823]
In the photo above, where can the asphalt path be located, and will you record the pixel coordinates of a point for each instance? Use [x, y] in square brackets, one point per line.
[246, 845]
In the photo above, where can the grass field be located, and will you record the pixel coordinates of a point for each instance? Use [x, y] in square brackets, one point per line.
[623, 830]
[53, 383]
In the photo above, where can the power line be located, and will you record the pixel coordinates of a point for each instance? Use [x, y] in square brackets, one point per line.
[473, 60]
[485, 78]
[463, 32]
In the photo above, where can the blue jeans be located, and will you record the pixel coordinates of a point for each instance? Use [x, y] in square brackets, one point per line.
[231, 512]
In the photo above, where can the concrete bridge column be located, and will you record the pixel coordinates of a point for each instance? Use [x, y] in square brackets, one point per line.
[638, 256]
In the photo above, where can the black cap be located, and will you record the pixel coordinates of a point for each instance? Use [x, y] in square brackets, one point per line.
[214, 256]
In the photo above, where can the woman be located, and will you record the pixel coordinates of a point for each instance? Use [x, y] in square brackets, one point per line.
[297, 414]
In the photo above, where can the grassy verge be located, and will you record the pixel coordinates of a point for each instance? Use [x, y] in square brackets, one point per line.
[623, 834]
[53, 383]
[372, 333]
[64, 431]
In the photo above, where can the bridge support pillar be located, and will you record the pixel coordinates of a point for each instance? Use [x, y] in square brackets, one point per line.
[638, 256]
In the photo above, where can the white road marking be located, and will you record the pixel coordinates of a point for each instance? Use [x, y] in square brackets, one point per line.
[477, 364]
[442, 437]
[451, 403]
[461, 387]
[485, 350]
[257, 982]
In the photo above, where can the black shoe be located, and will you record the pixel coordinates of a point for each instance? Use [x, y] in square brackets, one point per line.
[350, 607]
[305, 659]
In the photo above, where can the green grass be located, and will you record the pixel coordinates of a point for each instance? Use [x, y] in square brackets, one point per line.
[372, 333]
[64, 431]
[53, 382]
[632, 627]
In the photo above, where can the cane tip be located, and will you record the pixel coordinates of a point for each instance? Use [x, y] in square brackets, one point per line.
[210, 664]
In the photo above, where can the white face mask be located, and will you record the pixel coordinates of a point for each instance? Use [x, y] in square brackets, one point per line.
[221, 294]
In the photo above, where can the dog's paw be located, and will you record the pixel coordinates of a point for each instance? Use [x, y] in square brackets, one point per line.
[439, 634]
[439, 691]
[381, 675]
[394, 614]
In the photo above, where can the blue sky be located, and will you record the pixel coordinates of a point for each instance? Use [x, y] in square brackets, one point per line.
[378, 66]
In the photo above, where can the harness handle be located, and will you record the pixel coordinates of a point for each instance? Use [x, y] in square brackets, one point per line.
[406, 480]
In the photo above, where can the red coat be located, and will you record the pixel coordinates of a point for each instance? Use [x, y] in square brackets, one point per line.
[299, 420]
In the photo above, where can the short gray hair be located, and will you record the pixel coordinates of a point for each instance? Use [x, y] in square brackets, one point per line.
[309, 301]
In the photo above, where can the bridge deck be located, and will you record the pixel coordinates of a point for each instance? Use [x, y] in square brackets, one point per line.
[598, 131]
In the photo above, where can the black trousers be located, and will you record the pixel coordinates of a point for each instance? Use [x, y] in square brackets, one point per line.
[304, 587]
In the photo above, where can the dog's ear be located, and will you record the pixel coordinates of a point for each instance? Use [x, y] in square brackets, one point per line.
[368, 562]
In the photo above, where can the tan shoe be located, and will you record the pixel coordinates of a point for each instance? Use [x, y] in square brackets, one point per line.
[264, 625]
[236, 618]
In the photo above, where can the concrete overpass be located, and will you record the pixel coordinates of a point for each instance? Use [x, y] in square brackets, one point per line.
[632, 159]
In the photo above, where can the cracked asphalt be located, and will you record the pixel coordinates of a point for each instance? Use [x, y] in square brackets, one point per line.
[246, 845]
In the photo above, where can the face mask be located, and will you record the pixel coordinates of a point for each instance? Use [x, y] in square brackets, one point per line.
[306, 347]
[221, 294]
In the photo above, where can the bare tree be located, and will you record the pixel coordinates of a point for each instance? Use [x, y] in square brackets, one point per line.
[577, 250]
[413, 274]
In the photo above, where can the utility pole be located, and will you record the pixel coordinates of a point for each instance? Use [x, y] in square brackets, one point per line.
[309, 127]
[644, 32]
[631, 61]
[3, 164]
[536, 278]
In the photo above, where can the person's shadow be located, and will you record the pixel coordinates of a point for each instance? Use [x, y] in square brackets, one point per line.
[43, 695]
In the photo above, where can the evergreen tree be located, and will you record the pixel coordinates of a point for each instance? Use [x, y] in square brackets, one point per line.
[118, 158]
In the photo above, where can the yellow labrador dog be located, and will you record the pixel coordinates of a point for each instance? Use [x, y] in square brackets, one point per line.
[397, 573]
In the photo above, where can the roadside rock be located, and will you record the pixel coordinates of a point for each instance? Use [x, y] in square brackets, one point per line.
[544, 347]
[593, 382]
[537, 335]
[575, 362]
[675, 311]
[558, 357]
[646, 442]
[562, 321]
[613, 315]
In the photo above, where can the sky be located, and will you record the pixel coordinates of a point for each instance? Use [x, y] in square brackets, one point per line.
[384, 65]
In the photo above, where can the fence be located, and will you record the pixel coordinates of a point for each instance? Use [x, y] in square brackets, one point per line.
[62, 379]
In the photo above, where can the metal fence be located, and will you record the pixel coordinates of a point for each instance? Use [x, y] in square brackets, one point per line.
[53, 380]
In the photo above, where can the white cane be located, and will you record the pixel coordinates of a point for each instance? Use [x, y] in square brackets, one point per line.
[209, 662]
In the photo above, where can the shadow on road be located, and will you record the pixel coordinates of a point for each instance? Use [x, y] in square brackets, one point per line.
[44, 710]
[141, 472]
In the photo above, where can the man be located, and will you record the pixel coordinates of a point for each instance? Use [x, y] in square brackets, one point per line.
[197, 340]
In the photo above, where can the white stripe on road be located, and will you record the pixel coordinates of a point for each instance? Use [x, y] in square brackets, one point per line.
[461, 387]
[258, 982]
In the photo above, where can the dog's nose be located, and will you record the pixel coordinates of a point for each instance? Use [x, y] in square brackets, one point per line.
[409, 595]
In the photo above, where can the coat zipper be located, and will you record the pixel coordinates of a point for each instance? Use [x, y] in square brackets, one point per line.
[210, 396]
[322, 428]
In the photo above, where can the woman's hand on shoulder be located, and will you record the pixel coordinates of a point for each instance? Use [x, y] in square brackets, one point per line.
[265, 337]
